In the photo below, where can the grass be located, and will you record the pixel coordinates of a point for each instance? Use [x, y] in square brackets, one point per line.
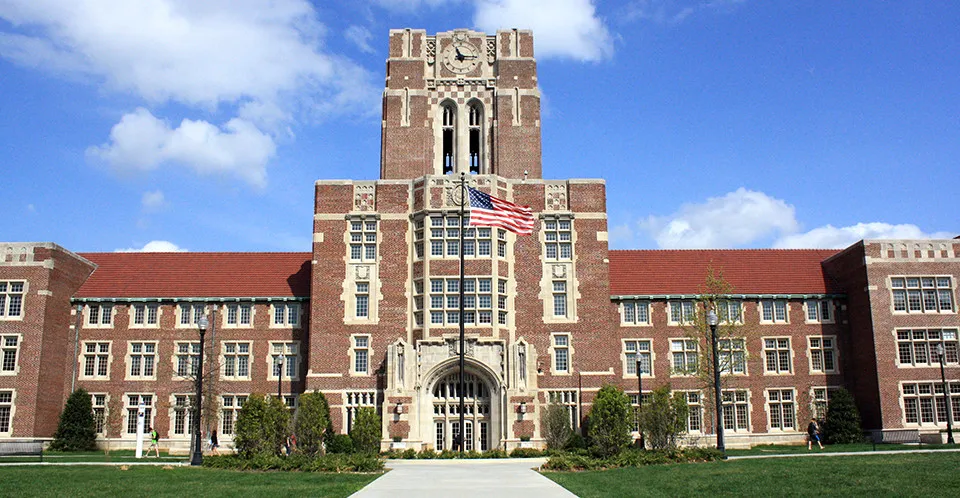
[93, 456]
[178, 481]
[771, 449]
[909, 474]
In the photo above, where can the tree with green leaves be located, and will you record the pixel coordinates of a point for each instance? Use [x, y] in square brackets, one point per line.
[664, 418]
[610, 420]
[311, 422]
[262, 426]
[77, 430]
[555, 424]
[842, 425]
[365, 432]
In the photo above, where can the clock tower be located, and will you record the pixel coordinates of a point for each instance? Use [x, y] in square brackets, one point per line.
[461, 101]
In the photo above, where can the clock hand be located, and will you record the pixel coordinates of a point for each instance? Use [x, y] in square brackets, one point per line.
[460, 56]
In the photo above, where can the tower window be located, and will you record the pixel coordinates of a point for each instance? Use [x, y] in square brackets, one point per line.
[449, 138]
[476, 117]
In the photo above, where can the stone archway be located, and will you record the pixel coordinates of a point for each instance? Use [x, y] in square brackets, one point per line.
[483, 406]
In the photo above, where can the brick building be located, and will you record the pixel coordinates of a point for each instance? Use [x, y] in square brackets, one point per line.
[371, 317]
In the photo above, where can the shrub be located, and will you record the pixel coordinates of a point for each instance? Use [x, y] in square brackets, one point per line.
[842, 425]
[409, 454]
[555, 424]
[664, 418]
[525, 453]
[311, 422]
[497, 453]
[631, 458]
[366, 431]
[610, 421]
[76, 430]
[576, 442]
[339, 443]
[302, 463]
[262, 427]
[427, 454]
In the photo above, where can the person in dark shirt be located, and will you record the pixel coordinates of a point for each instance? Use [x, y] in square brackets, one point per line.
[813, 434]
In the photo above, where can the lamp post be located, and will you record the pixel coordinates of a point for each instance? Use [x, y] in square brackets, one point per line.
[712, 320]
[197, 458]
[946, 392]
[639, 396]
[279, 362]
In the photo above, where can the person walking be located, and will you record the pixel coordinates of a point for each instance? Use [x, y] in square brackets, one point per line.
[813, 434]
[214, 443]
[154, 442]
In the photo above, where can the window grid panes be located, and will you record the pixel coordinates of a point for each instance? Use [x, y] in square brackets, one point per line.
[777, 355]
[736, 411]
[922, 294]
[9, 349]
[925, 403]
[782, 409]
[635, 313]
[561, 353]
[363, 240]
[143, 359]
[96, 357]
[236, 360]
[919, 346]
[733, 356]
[681, 312]
[684, 356]
[11, 299]
[822, 354]
[444, 301]
[558, 239]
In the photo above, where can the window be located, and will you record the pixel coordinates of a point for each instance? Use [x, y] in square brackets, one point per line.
[142, 359]
[229, 411]
[361, 354]
[477, 301]
[418, 237]
[819, 311]
[822, 354]
[773, 311]
[133, 401]
[285, 355]
[236, 360]
[9, 347]
[736, 410]
[777, 355]
[922, 294]
[635, 313]
[182, 414]
[782, 408]
[363, 240]
[187, 358]
[475, 124]
[695, 412]
[558, 239]
[684, 353]
[363, 300]
[355, 400]
[99, 402]
[6, 411]
[733, 356]
[559, 299]
[11, 299]
[445, 238]
[98, 314]
[287, 314]
[919, 346]
[190, 314]
[448, 136]
[145, 315]
[561, 353]
[925, 403]
[730, 311]
[568, 400]
[819, 401]
[239, 314]
[501, 243]
[502, 302]
[681, 312]
[633, 349]
[96, 360]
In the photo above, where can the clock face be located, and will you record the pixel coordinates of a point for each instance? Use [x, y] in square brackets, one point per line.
[461, 57]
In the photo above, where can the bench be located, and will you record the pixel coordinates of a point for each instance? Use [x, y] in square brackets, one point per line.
[903, 436]
[21, 448]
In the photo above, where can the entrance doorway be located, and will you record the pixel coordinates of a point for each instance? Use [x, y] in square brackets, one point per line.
[446, 413]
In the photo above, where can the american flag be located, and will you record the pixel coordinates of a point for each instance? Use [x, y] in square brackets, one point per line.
[488, 211]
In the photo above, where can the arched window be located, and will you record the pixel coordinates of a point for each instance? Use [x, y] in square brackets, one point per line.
[449, 128]
[476, 136]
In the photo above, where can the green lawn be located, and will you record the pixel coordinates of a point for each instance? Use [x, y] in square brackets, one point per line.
[909, 474]
[833, 448]
[179, 481]
[95, 456]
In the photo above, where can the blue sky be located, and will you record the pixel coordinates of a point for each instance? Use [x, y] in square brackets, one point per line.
[202, 126]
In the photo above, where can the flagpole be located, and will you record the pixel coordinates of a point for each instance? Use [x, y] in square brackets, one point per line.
[463, 202]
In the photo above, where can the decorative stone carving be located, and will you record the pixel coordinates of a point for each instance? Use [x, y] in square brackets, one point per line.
[556, 197]
[559, 271]
[431, 50]
[364, 198]
[363, 272]
[491, 50]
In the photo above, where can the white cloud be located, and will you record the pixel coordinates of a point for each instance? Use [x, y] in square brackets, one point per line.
[736, 219]
[152, 200]
[155, 246]
[140, 141]
[360, 37]
[561, 28]
[830, 237]
[673, 11]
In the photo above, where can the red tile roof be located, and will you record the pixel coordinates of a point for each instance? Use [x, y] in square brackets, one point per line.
[197, 274]
[750, 271]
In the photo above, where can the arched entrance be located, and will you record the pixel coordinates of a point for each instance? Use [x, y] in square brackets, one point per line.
[479, 425]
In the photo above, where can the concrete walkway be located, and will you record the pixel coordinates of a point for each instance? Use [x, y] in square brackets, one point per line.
[464, 478]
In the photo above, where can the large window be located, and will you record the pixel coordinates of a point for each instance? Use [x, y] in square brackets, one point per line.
[925, 402]
[633, 349]
[363, 240]
[354, 401]
[445, 238]
[477, 301]
[819, 311]
[773, 311]
[782, 409]
[361, 354]
[187, 359]
[99, 403]
[289, 353]
[695, 411]
[730, 311]
[287, 314]
[145, 315]
[635, 313]
[6, 411]
[362, 304]
[919, 346]
[9, 349]
[96, 360]
[776, 351]
[736, 410]
[822, 354]
[133, 401]
[684, 355]
[559, 298]
[236, 360]
[561, 353]
[142, 358]
[182, 415]
[568, 400]
[733, 356]
[190, 314]
[11, 299]
[99, 315]
[239, 314]
[558, 239]
[681, 312]
[231, 406]
[922, 294]
[820, 401]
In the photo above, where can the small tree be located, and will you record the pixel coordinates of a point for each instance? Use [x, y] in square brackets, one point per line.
[311, 422]
[365, 432]
[555, 423]
[77, 430]
[843, 419]
[610, 420]
[664, 418]
[262, 426]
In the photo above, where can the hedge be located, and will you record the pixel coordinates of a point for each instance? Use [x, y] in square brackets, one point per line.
[355, 462]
